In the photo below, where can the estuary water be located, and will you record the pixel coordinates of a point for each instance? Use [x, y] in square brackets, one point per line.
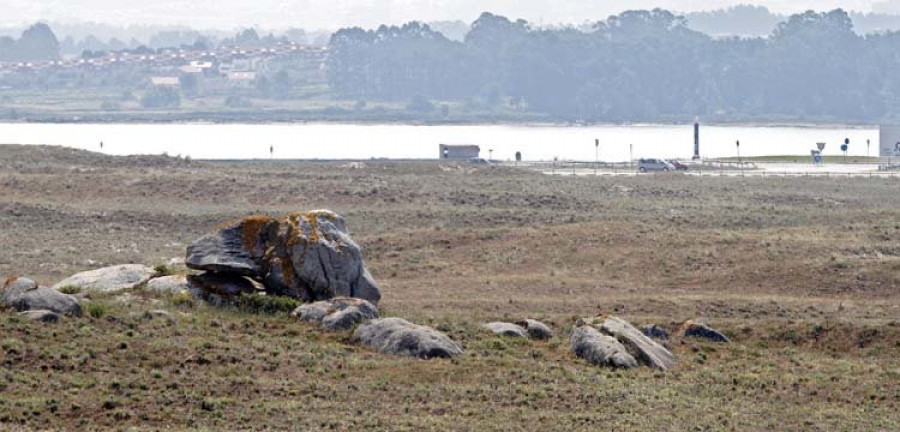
[501, 142]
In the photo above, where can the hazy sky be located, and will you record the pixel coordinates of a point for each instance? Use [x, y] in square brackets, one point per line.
[329, 14]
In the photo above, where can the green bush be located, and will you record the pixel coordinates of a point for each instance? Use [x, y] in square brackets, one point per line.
[70, 289]
[163, 270]
[96, 310]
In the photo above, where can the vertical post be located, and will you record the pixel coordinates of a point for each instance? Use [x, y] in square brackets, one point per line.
[596, 154]
[630, 154]
[696, 138]
[740, 166]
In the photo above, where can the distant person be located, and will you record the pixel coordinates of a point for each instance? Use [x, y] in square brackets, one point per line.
[101, 145]
[518, 156]
[271, 151]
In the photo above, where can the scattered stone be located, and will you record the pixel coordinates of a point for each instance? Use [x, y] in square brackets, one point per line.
[599, 349]
[536, 329]
[399, 337]
[40, 315]
[654, 331]
[642, 347]
[692, 329]
[337, 314]
[159, 314]
[308, 255]
[507, 329]
[168, 285]
[109, 279]
[24, 294]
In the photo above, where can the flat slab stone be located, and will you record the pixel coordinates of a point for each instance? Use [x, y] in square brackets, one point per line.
[642, 347]
[40, 315]
[109, 279]
[397, 336]
[507, 329]
[692, 329]
[168, 284]
[600, 349]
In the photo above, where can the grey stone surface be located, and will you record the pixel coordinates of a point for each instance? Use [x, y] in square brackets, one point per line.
[40, 315]
[692, 329]
[337, 314]
[640, 346]
[655, 332]
[507, 329]
[24, 294]
[168, 284]
[400, 337]
[109, 279]
[536, 329]
[307, 255]
[600, 349]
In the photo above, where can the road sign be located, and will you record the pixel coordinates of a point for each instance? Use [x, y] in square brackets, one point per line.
[821, 146]
[844, 148]
[817, 158]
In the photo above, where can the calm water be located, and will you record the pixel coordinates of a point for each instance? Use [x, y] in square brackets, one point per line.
[336, 141]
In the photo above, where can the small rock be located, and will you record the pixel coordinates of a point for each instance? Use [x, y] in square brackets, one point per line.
[654, 331]
[337, 314]
[24, 294]
[692, 329]
[109, 279]
[507, 329]
[158, 313]
[400, 337]
[536, 329]
[600, 349]
[40, 315]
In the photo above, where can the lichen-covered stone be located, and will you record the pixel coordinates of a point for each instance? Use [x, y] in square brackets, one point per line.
[109, 279]
[400, 337]
[337, 314]
[307, 255]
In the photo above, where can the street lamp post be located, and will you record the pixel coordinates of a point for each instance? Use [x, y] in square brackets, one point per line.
[740, 165]
[596, 154]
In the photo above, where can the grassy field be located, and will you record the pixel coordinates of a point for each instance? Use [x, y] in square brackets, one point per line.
[801, 273]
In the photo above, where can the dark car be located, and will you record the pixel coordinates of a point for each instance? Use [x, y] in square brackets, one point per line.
[679, 166]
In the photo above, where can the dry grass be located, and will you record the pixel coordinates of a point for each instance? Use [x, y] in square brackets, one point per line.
[802, 274]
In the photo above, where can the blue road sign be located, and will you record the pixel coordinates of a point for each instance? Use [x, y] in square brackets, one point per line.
[844, 148]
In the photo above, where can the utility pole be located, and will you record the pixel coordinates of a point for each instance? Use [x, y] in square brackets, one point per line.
[740, 165]
[596, 154]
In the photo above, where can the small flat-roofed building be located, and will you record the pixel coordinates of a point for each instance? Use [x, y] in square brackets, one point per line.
[459, 152]
[165, 81]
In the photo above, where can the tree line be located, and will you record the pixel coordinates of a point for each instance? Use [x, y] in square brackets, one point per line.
[639, 65]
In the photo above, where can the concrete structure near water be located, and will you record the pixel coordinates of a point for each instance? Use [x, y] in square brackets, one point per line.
[459, 152]
[890, 141]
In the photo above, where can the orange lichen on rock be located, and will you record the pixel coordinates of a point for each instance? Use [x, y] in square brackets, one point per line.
[252, 226]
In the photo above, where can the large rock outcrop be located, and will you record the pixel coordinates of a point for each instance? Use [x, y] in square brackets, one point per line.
[109, 279]
[24, 294]
[400, 337]
[593, 340]
[307, 255]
